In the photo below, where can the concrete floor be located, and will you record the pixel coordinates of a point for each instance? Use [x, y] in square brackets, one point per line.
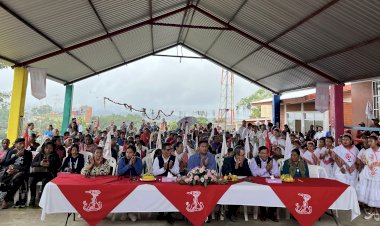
[31, 217]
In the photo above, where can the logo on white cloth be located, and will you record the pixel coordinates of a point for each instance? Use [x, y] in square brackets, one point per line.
[304, 208]
[94, 205]
[195, 206]
[348, 157]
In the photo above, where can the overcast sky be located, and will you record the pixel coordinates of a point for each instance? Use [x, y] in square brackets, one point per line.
[152, 83]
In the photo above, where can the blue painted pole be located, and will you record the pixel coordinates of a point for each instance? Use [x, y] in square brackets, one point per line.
[276, 110]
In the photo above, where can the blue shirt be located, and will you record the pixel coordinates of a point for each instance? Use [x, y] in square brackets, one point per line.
[48, 133]
[124, 169]
[195, 161]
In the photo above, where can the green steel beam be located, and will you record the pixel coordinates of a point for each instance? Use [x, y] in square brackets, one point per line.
[67, 108]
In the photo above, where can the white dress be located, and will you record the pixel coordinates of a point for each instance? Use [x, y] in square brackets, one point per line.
[349, 158]
[308, 157]
[369, 184]
[327, 161]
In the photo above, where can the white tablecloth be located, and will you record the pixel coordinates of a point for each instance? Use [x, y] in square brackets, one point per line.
[146, 198]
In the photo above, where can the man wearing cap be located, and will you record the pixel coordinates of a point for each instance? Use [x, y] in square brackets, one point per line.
[17, 165]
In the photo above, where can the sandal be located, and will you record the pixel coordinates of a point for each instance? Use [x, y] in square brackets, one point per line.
[368, 216]
[376, 217]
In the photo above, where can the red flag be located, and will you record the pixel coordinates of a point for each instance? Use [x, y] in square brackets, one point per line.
[26, 137]
[268, 144]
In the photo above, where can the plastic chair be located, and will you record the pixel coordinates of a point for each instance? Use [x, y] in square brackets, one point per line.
[87, 155]
[280, 163]
[113, 164]
[317, 171]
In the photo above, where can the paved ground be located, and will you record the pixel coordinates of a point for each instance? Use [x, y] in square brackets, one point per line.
[31, 217]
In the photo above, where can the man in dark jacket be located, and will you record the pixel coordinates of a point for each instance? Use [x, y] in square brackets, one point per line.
[236, 165]
[15, 173]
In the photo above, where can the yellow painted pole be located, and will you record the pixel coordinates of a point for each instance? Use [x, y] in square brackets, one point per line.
[16, 113]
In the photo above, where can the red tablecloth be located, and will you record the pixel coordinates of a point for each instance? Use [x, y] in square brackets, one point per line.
[94, 198]
[306, 198]
[194, 202]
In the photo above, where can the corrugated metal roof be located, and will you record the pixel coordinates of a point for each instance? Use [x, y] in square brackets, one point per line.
[266, 19]
[120, 14]
[89, 54]
[262, 63]
[237, 47]
[361, 63]
[343, 24]
[18, 42]
[74, 21]
[135, 43]
[64, 67]
[224, 10]
[341, 39]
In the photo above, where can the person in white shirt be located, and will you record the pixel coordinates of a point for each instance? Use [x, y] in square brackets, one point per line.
[277, 140]
[165, 163]
[320, 133]
[253, 136]
[260, 135]
[369, 183]
[242, 130]
[311, 157]
[345, 158]
[325, 155]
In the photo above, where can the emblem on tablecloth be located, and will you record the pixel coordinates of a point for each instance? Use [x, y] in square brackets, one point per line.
[94, 205]
[304, 208]
[195, 206]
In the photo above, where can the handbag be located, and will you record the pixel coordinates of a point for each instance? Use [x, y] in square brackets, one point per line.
[39, 169]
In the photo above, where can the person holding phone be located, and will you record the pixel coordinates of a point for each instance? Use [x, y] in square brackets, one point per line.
[44, 168]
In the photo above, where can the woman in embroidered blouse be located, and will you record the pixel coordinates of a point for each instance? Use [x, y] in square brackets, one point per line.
[295, 166]
[74, 162]
[97, 165]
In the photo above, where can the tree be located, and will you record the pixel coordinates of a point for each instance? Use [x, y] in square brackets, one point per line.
[260, 94]
[42, 110]
[202, 120]
[4, 113]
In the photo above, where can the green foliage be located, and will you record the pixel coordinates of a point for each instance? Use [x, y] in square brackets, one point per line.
[41, 110]
[4, 113]
[202, 120]
[260, 94]
[105, 120]
[172, 125]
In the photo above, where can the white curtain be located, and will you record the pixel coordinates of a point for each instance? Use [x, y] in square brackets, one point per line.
[38, 82]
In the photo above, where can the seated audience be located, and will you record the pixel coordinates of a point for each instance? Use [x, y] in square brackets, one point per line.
[74, 161]
[44, 168]
[97, 165]
[295, 166]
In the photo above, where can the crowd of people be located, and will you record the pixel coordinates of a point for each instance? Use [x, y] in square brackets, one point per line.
[152, 148]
